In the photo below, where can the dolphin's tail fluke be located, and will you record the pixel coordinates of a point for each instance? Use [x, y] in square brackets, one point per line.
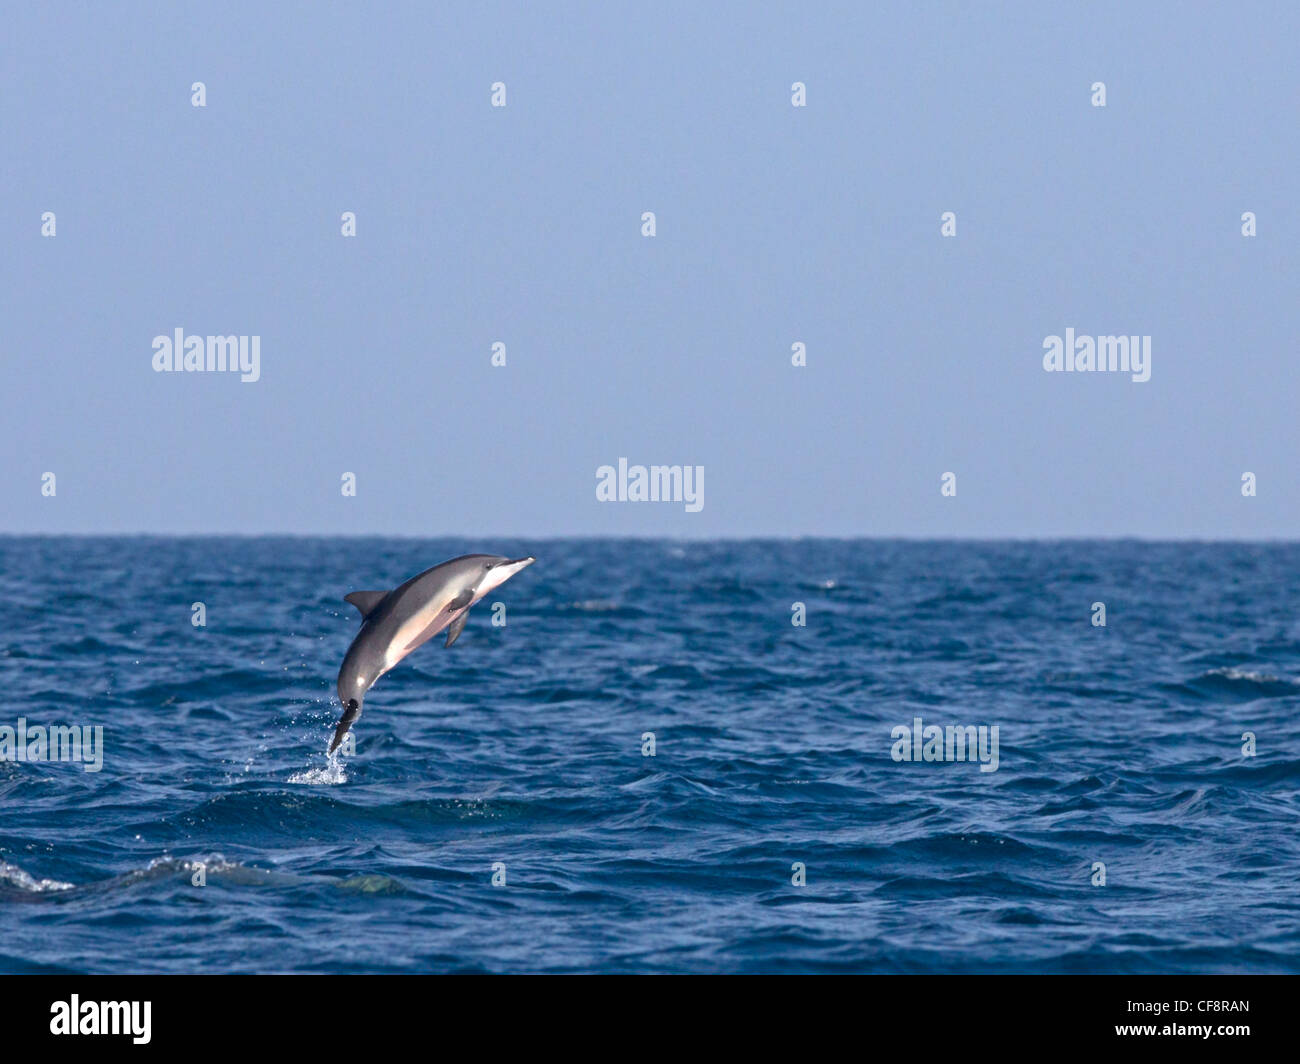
[350, 714]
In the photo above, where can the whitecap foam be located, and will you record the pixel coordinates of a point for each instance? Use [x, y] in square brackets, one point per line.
[13, 876]
[1230, 673]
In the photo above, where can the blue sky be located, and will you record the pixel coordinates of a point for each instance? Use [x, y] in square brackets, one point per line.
[775, 224]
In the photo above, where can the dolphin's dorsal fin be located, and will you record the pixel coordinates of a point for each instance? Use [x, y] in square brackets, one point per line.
[366, 601]
[457, 626]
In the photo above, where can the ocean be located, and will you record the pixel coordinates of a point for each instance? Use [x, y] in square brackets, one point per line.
[648, 767]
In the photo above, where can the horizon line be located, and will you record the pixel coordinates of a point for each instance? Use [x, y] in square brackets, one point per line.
[651, 537]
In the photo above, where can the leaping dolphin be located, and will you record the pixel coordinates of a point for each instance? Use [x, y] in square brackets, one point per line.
[393, 623]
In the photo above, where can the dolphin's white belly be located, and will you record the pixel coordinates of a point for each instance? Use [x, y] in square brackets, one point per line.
[418, 628]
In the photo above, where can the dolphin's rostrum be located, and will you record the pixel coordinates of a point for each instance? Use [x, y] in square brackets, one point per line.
[393, 623]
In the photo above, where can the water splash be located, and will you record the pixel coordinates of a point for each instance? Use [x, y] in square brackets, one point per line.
[330, 774]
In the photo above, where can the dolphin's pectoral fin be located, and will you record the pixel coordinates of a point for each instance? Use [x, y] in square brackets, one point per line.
[457, 626]
[439, 622]
[459, 609]
[366, 601]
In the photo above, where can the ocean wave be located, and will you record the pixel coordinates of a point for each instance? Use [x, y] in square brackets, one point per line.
[520, 752]
[1236, 685]
[14, 878]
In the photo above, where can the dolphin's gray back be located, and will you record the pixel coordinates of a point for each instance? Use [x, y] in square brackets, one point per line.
[428, 582]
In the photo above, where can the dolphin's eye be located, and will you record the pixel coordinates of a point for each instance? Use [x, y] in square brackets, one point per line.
[488, 566]
[352, 703]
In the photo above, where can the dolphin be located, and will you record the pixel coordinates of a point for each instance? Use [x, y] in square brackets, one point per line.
[393, 623]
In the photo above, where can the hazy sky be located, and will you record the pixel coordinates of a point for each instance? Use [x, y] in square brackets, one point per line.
[775, 225]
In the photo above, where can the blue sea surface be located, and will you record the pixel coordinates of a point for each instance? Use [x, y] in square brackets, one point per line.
[522, 748]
